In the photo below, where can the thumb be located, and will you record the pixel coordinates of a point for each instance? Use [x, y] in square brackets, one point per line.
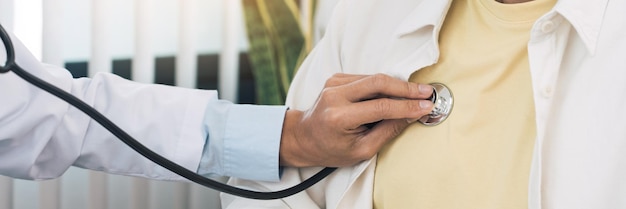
[382, 133]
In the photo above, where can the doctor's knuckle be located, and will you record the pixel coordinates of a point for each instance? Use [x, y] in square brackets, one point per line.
[411, 88]
[364, 152]
[332, 81]
[412, 106]
[379, 81]
[330, 93]
[333, 116]
[383, 107]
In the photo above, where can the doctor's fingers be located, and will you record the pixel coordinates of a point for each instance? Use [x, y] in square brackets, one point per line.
[370, 111]
[370, 143]
[339, 79]
[380, 85]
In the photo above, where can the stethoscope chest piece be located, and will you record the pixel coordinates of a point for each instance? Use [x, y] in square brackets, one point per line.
[443, 100]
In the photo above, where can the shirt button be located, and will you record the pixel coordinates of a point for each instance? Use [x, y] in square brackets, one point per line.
[547, 26]
[547, 91]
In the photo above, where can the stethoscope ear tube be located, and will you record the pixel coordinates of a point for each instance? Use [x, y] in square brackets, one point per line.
[6, 40]
[135, 145]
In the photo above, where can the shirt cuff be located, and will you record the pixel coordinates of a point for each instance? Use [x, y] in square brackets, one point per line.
[245, 143]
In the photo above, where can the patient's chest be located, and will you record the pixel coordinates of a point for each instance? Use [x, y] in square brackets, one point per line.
[480, 156]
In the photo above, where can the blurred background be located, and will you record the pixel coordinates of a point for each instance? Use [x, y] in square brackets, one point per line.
[247, 49]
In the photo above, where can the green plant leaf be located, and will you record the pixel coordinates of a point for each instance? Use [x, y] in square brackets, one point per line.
[262, 58]
[277, 46]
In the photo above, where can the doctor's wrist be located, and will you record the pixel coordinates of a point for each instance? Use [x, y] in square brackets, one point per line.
[291, 154]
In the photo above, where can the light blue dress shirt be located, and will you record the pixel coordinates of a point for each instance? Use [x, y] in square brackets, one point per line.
[242, 141]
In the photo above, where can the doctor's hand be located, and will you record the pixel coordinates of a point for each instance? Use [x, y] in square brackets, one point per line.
[354, 116]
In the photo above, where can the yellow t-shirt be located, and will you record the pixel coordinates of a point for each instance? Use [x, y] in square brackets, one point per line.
[480, 156]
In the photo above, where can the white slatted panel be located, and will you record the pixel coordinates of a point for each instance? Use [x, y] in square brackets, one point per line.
[98, 198]
[50, 194]
[186, 59]
[75, 189]
[6, 184]
[23, 188]
[143, 59]
[143, 71]
[29, 30]
[229, 57]
[205, 198]
[164, 195]
[6, 193]
[52, 53]
[52, 42]
[7, 14]
[99, 61]
[118, 192]
[101, 30]
[140, 195]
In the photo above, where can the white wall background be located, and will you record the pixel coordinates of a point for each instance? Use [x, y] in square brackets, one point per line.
[77, 24]
[208, 23]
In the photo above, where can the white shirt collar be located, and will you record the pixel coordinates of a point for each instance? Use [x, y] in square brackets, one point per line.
[427, 13]
[585, 16]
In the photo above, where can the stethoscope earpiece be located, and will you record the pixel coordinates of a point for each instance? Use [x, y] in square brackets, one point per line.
[443, 100]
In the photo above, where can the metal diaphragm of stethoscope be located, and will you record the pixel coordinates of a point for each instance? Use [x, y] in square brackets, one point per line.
[443, 102]
[442, 99]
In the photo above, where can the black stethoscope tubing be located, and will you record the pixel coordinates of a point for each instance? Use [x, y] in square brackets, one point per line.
[10, 65]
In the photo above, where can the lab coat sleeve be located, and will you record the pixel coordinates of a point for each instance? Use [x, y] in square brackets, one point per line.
[41, 136]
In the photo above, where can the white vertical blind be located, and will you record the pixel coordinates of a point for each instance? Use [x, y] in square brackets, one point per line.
[22, 188]
[27, 26]
[75, 189]
[140, 198]
[7, 14]
[118, 192]
[52, 53]
[229, 56]
[98, 198]
[143, 59]
[6, 184]
[6, 193]
[50, 194]
[52, 42]
[166, 195]
[181, 198]
[205, 198]
[186, 59]
[100, 60]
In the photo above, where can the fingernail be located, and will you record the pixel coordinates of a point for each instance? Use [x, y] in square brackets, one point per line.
[425, 104]
[425, 89]
[411, 120]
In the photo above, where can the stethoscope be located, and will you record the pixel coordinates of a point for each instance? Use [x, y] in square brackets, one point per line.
[442, 99]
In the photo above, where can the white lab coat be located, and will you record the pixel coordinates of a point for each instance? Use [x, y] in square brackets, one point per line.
[578, 69]
[41, 136]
